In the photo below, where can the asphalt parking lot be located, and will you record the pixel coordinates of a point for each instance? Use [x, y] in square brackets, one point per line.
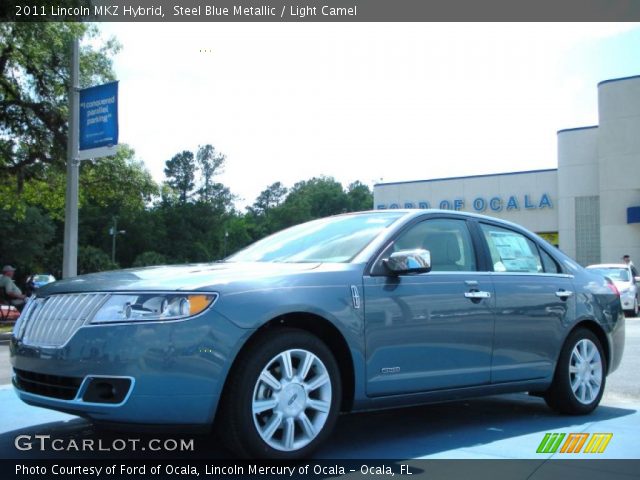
[500, 427]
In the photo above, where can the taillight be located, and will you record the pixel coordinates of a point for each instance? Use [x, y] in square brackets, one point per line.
[613, 288]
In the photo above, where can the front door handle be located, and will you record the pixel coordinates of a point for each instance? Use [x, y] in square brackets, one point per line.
[477, 294]
[563, 294]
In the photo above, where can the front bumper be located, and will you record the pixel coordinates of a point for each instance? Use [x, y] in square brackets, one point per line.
[173, 371]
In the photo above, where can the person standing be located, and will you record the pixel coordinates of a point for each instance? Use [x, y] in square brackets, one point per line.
[627, 259]
[11, 290]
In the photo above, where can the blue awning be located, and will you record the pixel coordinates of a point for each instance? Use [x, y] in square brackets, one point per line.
[633, 214]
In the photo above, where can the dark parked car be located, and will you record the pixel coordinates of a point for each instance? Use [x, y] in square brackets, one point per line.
[352, 312]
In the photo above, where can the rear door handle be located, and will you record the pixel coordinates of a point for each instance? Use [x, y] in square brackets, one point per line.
[477, 294]
[564, 294]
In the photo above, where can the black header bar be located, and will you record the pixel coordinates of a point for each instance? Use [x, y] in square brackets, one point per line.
[318, 10]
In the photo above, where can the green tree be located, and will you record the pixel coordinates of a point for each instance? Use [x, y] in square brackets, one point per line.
[210, 163]
[23, 243]
[237, 234]
[180, 172]
[309, 199]
[90, 260]
[269, 198]
[34, 81]
[146, 259]
[118, 182]
[360, 197]
[118, 186]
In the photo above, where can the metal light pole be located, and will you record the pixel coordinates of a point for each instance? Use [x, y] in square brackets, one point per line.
[70, 251]
[114, 232]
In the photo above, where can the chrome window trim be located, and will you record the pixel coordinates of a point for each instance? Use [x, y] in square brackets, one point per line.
[483, 273]
[536, 274]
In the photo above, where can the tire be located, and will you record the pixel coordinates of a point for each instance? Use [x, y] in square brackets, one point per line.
[634, 311]
[575, 389]
[295, 411]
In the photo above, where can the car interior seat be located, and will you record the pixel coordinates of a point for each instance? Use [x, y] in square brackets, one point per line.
[445, 251]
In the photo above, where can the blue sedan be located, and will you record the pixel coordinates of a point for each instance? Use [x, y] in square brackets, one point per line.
[358, 311]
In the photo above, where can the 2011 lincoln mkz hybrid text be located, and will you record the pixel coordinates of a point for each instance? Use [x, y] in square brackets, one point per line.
[357, 311]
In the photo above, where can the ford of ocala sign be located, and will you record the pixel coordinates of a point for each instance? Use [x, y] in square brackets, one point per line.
[480, 204]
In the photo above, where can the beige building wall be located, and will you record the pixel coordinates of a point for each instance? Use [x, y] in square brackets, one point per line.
[533, 184]
[577, 178]
[619, 162]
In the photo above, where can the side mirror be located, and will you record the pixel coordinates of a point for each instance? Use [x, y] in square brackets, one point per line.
[409, 261]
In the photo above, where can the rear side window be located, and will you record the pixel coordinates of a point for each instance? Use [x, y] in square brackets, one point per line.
[448, 241]
[511, 251]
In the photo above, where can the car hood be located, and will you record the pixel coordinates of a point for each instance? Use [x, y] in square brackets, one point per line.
[206, 276]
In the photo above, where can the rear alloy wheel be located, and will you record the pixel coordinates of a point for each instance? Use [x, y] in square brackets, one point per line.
[580, 377]
[285, 398]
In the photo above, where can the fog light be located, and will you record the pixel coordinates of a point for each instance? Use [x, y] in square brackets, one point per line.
[107, 390]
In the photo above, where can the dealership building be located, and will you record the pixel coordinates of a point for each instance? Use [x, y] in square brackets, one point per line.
[589, 206]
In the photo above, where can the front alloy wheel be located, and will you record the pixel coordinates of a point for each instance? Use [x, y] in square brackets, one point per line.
[283, 396]
[291, 400]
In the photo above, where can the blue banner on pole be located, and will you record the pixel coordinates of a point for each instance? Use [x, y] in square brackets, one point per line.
[99, 116]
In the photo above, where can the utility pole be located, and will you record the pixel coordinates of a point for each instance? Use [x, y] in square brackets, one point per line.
[70, 252]
[114, 232]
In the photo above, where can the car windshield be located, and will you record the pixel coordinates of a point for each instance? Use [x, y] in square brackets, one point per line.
[615, 274]
[334, 239]
[41, 278]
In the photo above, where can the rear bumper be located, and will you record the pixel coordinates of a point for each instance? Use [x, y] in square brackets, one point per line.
[175, 370]
[616, 343]
[628, 300]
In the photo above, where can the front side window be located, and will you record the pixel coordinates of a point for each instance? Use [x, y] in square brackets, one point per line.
[511, 251]
[447, 240]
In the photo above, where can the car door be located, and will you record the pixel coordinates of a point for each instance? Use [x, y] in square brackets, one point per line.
[533, 302]
[432, 330]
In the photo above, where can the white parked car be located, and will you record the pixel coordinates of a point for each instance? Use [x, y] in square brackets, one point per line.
[625, 282]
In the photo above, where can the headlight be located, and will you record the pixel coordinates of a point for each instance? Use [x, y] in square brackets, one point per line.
[625, 290]
[152, 306]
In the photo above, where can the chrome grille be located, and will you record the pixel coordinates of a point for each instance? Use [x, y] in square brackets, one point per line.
[51, 321]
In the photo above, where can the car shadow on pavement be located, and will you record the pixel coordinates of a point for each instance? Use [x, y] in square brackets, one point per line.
[405, 433]
[434, 430]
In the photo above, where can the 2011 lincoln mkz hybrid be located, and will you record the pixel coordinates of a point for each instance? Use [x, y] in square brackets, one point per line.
[358, 311]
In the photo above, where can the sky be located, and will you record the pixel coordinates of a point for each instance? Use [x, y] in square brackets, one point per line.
[362, 101]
